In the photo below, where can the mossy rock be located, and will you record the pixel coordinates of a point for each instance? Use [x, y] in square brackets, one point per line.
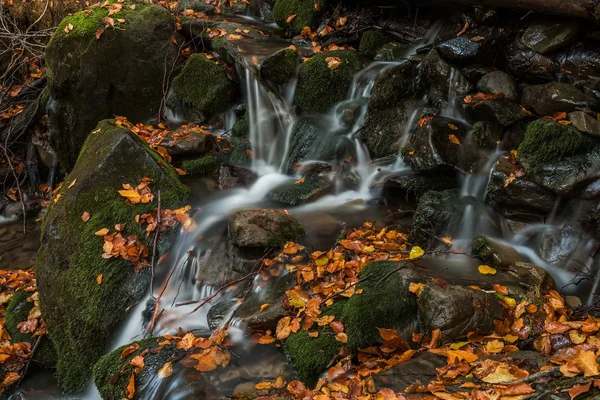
[241, 128]
[311, 356]
[17, 311]
[239, 153]
[371, 42]
[201, 90]
[306, 14]
[415, 186]
[548, 142]
[121, 73]
[279, 67]
[201, 166]
[81, 314]
[112, 374]
[319, 88]
[263, 228]
[435, 214]
[311, 189]
[384, 303]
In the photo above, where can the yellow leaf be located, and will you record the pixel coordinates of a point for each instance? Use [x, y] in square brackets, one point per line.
[333, 62]
[587, 363]
[486, 270]
[416, 288]
[263, 386]
[300, 181]
[101, 232]
[447, 240]
[264, 306]
[73, 183]
[512, 303]
[416, 252]
[166, 370]
[453, 127]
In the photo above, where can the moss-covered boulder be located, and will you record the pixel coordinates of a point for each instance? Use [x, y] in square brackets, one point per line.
[112, 373]
[263, 228]
[279, 67]
[201, 166]
[371, 42]
[311, 189]
[81, 314]
[559, 157]
[17, 311]
[294, 15]
[388, 111]
[320, 87]
[201, 90]
[119, 73]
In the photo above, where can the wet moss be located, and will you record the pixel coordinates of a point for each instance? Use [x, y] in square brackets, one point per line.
[312, 188]
[82, 315]
[203, 85]
[238, 154]
[319, 88]
[371, 42]
[306, 13]
[384, 303]
[201, 166]
[17, 311]
[241, 128]
[547, 142]
[280, 67]
[480, 246]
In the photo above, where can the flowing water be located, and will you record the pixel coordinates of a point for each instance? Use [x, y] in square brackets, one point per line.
[185, 285]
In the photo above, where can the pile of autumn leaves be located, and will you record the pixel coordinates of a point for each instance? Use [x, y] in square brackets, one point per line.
[14, 356]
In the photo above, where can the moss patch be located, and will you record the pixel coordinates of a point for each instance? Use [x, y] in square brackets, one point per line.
[279, 67]
[241, 128]
[82, 315]
[201, 166]
[305, 11]
[17, 311]
[371, 42]
[548, 142]
[319, 88]
[203, 85]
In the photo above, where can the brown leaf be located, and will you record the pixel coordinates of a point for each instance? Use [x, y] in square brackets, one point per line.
[129, 349]
[453, 139]
[85, 217]
[166, 370]
[109, 21]
[99, 33]
[579, 389]
[131, 387]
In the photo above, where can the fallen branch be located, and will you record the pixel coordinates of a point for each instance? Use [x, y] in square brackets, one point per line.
[154, 245]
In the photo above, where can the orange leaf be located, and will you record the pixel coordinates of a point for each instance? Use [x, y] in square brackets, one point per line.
[85, 217]
[290, 18]
[453, 139]
[131, 387]
[579, 389]
[341, 337]
[137, 361]
[166, 370]
[587, 363]
[101, 232]
[99, 279]
[388, 334]
[129, 349]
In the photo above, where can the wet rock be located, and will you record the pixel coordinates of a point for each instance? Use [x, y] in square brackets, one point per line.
[263, 228]
[486, 135]
[530, 279]
[371, 42]
[222, 262]
[441, 144]
[315, 168]
[520, 193]
[582, 64]
[434, 74]
[457, 310]
[121, 73]
[475, 72]
[280, 67]
[461, 49]
[200, 166]
[500, 111]
[239, 152]
[192, 143]
[497, 82]
[306, 14]
[421, 369]
[201, 90]
[437, 213]
[556, 97]
[585, 123]
[308, 142]
[546, 36]
[559, 157]
[319, 87]
[494, 253]
[416, 185]
[393, 51]
[558, 245]
[394, 85]
[69, 261]
[528, 64]
[231, 177]
[311, 189]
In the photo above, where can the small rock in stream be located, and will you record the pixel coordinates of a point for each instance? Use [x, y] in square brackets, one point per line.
[263, 228]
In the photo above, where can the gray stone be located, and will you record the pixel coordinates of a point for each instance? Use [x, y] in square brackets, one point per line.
[499, 111]
[546, 36]
[558, 245]
[461, 49]
[584, 122]
[436, 213]
[421, 369]
[486, 134]
[435, 73]
[263, 228]
[192, 143]
[497, 82]
[222, 262]
[547, 99]
[457, 310]
[526, 63]
[311, 189]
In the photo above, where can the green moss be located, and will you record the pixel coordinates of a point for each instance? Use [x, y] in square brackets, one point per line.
[203, 85]
[319, 88]
[111, 373]
[384, 303]
[82, 315]
[238, 155]
[306, 14]
[292, 232]
[17, 311]
[548, 142]
[417, 185]
[371, 42]
[241, 128]
[480, 246]
[312, 188]
[201, 166]
[280, 67]
[311, 356]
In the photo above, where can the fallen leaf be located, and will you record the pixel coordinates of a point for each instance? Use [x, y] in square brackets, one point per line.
[453, 139]
[464, 29]
[416, 252]
[587, 363]
[166, 370]
[579, 389]
[99, 279]
[486, 270]
[477, 39]
[85, 217]
[131, 387]
[333, 62]
[129, 349]
[290, 18]
[137, 361]
[101, 232]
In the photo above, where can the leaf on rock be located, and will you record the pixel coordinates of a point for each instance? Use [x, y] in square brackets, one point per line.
[166, 370]
[130, 392]
[486, 270]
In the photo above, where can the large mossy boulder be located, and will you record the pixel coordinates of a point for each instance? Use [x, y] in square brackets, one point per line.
[81, 314]
[294, 15]
[200, 91]
[119, 73]
[279, 67]
[319, 87]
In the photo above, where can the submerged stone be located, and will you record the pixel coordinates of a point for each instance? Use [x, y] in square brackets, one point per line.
[82, 315]
[121, 73]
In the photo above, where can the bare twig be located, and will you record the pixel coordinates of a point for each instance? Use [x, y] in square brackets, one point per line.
[35, 346]
[154, 245]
